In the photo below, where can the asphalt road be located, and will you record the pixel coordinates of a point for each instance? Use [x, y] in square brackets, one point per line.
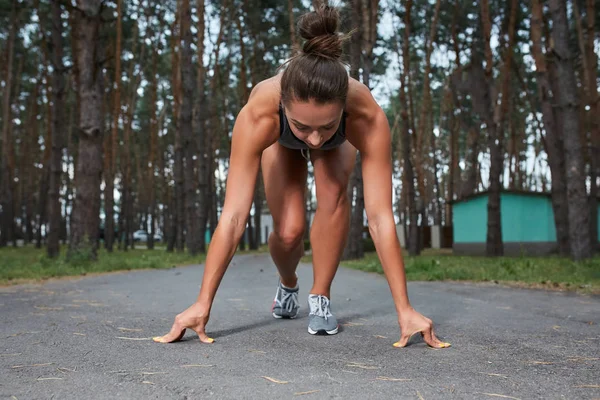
[91, 338]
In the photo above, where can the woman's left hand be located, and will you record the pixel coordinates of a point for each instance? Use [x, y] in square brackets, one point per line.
[411, 322]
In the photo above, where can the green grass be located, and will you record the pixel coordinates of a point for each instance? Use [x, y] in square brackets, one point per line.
[543, 272]
[31, 264]
[25, 264]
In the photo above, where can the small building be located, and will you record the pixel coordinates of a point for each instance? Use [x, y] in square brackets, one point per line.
[527, 220]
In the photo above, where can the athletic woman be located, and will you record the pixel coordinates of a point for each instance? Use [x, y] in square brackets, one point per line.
[311, 111]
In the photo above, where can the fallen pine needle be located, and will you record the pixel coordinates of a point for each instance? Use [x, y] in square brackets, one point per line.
[49, 379]
[148, 382]
[133, 338]
[355, 365]
[197, 365]
[48, 308]
[588, 386]
[498, 395]
[63, 369]
[420, 397]
[152, 373]
[380, 337]
[540, 362]
[10, 354]
[385, 378]
[303, 393]
[129, 330]
[257, 351]
[500, 375]
[275, 380]
[352, 324]
[32, 365]
[79, 334]
[582, 359]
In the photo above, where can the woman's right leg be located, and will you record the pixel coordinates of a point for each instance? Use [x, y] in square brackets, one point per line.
[284, 175]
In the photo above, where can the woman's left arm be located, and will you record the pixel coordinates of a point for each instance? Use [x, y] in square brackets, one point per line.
[372, 138]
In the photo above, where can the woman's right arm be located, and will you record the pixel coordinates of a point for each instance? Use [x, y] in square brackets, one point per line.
[251, 135]
[255, 129]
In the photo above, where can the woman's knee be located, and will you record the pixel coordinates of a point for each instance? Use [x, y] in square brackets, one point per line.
[289, 236]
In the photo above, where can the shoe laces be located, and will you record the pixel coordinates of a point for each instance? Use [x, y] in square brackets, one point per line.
[289, 300]
[319, 306]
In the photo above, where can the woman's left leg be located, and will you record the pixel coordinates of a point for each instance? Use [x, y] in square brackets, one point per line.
[330, 226]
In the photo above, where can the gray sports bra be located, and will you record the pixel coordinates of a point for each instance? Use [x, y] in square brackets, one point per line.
[289, 140]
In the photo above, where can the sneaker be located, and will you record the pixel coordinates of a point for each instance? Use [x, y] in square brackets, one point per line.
[320, 319]
[285, 304]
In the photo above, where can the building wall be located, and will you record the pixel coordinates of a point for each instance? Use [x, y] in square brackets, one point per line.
[470, 220]
[527, 225]
[524, 219]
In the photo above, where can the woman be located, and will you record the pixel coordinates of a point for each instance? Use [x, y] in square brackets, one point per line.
[313, 111]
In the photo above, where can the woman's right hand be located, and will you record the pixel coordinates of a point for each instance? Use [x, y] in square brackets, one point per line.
[195, 318]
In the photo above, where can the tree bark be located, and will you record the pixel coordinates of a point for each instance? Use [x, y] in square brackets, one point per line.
[553, 141]
[111, 148]
[58, 127]
[594, 113]
[495, 126]
[154, 126]
[590, 108]
[414, 247]
[293, 38]
[179, 222]
[568, 102]
[6, 195]
[45, 173]
[185, 125]
[421, 138]
[86, 210]
[200, 117]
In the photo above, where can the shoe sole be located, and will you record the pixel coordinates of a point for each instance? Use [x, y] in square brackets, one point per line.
[282, 317]
[323, 331]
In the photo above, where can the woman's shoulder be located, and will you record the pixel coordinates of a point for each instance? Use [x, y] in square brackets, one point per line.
[264, 98]
[360, 102]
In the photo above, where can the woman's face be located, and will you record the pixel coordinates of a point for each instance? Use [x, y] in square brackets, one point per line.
[314, 123]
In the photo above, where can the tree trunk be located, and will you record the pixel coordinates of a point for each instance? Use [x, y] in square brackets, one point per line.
[200, 117]
[58, 127]
[495, 126]
[408, 181]
[179, 220]
[113, 139]
[86, 210]
[425, 109]
[45, 173]
[590, 108]
[155, 123]
[553, 142]
[354, 244]
[294, 39]
[30, 172]
[594, 113]
[127, 206]
[6, 196]
[185, 126]
[568, 103]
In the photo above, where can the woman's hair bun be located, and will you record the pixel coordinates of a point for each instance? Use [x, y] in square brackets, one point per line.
[319, 29]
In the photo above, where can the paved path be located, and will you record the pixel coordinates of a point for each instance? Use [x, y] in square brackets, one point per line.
[90, 338]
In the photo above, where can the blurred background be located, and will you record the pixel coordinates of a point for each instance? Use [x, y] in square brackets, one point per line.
[117, 117]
